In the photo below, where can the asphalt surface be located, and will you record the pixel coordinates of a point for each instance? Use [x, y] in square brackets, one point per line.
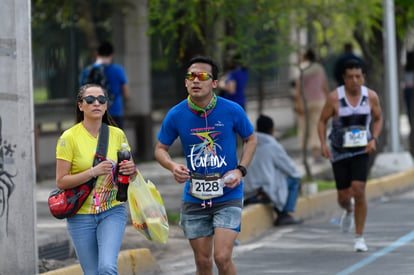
[315, 247]
[318, 246]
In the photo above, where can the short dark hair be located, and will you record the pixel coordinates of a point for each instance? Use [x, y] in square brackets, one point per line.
[264, 124]
[105, 49]
[352, 64]
[207, 60]
[310, 55]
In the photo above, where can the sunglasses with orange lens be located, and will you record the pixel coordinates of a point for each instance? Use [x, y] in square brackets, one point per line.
[203, 76]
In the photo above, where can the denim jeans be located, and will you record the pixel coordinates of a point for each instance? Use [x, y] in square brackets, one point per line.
[293, 191]
[97, 239]
[199, 226]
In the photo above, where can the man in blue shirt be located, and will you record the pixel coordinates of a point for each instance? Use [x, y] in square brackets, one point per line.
[207, 126]
[116, 78]
[235, 82]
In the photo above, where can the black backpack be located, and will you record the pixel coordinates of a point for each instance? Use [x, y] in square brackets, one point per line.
[96, 75]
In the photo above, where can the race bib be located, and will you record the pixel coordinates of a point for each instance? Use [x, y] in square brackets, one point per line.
[355, 138]
[206, 187]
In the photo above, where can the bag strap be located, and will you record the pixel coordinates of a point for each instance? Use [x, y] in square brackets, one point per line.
[101, 150]
[102, 147]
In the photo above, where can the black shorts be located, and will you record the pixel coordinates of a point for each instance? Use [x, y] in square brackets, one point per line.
[350, 169]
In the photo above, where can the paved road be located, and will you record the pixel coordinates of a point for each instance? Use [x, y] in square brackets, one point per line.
[319, 247]
[313, 239]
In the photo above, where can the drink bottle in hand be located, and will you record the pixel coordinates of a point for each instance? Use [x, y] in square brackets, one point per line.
[122, 180]
[224, 181]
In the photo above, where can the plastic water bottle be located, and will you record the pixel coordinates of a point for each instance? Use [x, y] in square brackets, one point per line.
[227, 179]
[122, 180]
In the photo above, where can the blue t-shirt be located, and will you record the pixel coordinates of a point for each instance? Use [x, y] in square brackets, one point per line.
[241, 77]
[209, 143]
[116, 77]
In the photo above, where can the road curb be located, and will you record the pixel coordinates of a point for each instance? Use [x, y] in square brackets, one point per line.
[390, 184]
[256, 219]
[130, 262]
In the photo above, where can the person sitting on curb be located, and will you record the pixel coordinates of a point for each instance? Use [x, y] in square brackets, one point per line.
[272, 175]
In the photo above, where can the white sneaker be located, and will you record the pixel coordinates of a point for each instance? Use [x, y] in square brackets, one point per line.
[360, 245]
[347, 219]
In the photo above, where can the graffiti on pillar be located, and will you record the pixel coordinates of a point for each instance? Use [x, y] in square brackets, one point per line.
[7, 150]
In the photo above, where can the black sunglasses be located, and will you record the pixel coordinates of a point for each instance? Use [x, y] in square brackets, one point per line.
[91, 99]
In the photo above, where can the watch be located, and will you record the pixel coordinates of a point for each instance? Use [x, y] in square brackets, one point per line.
[242, 169]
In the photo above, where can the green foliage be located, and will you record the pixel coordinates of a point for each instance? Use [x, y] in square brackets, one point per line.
[173, 218]
[40, 95]
[404, 17]
[251, 28]
[322, 184]
[177, 22]
[67, 13]
[325, 185]
[261, 29]
[159, 64]
[89, 17]
[290, 132]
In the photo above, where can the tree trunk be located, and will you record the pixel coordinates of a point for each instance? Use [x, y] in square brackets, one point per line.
[89, 27]
[308, 171]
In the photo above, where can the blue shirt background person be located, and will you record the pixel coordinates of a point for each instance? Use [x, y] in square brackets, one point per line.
[235, 82]
[117, 78]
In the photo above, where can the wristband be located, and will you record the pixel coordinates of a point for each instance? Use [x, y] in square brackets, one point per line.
[242, 169]
[376, 140]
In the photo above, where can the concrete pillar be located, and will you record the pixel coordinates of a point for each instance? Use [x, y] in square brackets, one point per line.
[18, 247]
[137, 58]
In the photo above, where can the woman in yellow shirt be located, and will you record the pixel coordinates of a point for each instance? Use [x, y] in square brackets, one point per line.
[98, 227]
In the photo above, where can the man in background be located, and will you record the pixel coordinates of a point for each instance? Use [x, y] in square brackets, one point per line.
[272, 175]
[357, 122]
[233, 84]
[111, 77]
[311, 86]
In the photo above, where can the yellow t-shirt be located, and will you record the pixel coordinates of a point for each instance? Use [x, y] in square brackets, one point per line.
[77, 146]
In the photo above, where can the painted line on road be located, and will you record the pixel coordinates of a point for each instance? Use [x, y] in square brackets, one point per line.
[400, 242]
